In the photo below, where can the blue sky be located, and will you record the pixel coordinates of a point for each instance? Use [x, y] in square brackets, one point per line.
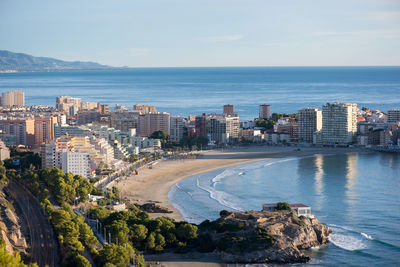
[158, 33]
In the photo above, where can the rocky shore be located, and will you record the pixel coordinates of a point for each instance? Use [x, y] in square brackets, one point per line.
[263, 236]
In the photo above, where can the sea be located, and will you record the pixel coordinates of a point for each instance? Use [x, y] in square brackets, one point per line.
[193, 91]
[356, 194]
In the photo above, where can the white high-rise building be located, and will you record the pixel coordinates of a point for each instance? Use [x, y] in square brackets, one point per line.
[76, 163]
[222, 129]
[339, 123]
[309, 121]
[66, 159]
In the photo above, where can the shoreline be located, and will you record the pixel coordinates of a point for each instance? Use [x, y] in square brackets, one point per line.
[153, 185]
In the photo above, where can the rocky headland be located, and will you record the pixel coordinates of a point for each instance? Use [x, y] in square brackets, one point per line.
[262, 236]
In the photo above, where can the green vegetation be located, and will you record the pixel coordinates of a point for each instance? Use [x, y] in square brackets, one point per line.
[67, 188]
[267, 124]
[6, 259]
[73, 233]
[162, 135]
[137, 229]
[282, 206]
[27, 160]
[224, 213]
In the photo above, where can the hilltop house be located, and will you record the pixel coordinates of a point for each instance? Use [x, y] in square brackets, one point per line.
[301, 209]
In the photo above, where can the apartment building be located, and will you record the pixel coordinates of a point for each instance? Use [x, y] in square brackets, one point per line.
[393, 116]
[151, 122]
[69, 105]
[44, 129]
[13, 98]
[229, 110]
[145, 108]
[76, 163]
[124, 120]
[339, 123]
[309, 121]
[264, 111]
[22, 128]
[176, 128]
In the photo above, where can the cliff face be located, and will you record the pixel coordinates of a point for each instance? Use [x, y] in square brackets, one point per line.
[10, 227]
[259, 237]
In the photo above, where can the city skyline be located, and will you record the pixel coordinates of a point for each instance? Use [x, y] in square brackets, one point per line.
[223, 33]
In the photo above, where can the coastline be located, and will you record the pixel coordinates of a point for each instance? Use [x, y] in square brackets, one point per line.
[153, 185]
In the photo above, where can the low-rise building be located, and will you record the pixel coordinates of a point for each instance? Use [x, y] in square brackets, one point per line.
[251, 135]
[301, 209]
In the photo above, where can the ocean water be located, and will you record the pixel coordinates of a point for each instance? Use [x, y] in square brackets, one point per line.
[193, 91]
[356, 194]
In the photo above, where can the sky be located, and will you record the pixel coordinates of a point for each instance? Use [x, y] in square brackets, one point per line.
[184, 33]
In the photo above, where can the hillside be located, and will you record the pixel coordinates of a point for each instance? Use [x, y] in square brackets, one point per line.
[10, 62]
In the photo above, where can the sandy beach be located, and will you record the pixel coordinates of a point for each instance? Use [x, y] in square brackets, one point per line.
[153, 185]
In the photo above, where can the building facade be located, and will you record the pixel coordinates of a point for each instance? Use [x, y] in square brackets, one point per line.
[176, 128]
[309, 121]
[339, 123]
[44, 129]
[13, 98]
[264, 111]
[393, 116]
[22, 128]
[151, 122]
[229, 110]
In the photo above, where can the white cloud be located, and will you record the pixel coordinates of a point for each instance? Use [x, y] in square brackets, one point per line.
[136, 52]
[223, 38]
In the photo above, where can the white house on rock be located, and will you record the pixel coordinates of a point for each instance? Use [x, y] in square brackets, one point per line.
[301, 209]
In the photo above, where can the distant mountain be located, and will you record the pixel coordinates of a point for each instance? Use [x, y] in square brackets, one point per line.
[10, 62]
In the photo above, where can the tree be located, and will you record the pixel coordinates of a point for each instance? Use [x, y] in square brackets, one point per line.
[119, 256]
[6, 259]
[138, 232]
[282, 206]
[76, 259]
[201, 141]
[2, 171]
[160, 134]
[99, 213]
[150, 241]
[119, 231]
[186, 231]
[160, 242]
[224, 213]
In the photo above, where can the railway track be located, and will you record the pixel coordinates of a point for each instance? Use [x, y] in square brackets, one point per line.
[43, 244]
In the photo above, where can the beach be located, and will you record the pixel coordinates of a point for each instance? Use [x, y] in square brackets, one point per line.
[153, 185]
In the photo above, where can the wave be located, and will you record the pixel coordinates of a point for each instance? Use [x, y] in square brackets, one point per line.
[347, 242]
[367, 236]
[340, 233]
[220, 196]
[348, 239]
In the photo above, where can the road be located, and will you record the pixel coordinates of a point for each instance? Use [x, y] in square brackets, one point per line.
[44, 250]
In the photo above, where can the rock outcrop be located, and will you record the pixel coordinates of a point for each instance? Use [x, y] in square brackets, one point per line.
[10, 227]
[154, 208]
[264, 236]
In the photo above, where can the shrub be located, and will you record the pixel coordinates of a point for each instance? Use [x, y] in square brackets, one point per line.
[224, 213]
[282, 206]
